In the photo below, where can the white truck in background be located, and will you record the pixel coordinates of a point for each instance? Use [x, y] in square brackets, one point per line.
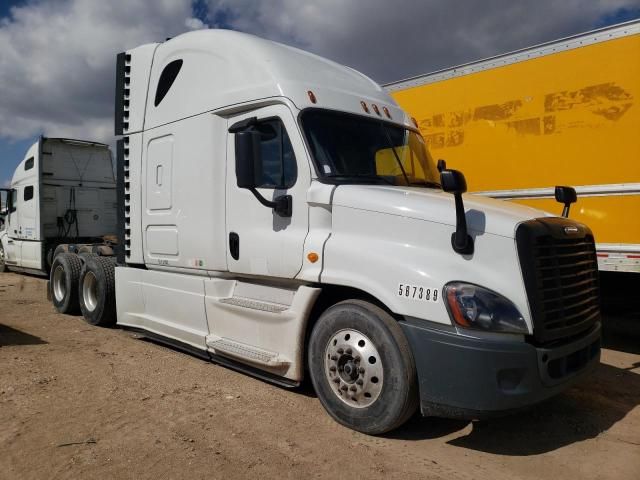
[62, 197]
[279, 214]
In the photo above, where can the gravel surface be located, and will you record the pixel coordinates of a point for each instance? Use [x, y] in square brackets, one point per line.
[83, 402]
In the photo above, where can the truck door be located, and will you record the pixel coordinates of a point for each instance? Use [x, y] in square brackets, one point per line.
[29, 252]
[261, 242]
[11, 224]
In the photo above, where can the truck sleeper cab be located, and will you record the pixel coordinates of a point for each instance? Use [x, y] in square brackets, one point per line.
[279, 215]
[62, 195]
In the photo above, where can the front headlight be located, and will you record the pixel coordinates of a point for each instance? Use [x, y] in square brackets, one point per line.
[471, 306]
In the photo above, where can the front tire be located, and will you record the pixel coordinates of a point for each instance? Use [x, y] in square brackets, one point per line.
[362, 368]
[97, 291]
[64, 275]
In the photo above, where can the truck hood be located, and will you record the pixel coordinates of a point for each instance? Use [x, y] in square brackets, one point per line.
[483, 214]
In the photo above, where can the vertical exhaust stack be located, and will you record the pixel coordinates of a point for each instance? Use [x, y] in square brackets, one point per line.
[132, 78]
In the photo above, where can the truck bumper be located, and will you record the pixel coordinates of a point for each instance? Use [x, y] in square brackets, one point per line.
[462, 377]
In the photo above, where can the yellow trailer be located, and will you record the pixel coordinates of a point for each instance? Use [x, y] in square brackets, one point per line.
[560, 113]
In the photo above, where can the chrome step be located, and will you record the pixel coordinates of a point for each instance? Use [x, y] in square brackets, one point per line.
[242, 351]
[254, 304]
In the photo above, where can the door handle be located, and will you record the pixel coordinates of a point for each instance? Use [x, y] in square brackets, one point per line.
[10, 242]
[234, 245]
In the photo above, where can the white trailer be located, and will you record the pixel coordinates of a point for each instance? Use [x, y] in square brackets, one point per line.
[279, 215]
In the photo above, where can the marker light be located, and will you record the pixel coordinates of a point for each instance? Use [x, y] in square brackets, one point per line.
[312, 96]
[313, 257]
[415, 122]
[364, 107]
[475, 307]
[375, 108]
[386, 112]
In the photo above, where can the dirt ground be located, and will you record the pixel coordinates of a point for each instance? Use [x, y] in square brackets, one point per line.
[83, 402]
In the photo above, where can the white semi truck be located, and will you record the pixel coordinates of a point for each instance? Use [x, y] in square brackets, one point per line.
[279, 215]
[62, 198]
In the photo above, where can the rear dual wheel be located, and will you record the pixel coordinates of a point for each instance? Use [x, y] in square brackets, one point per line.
[63, 282]
[84, 283]
[97, 292]
[362, 368]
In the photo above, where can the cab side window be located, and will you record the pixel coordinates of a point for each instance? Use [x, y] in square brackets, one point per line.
[167, 77]
[14, 200]
[28, 165]
[279, 168]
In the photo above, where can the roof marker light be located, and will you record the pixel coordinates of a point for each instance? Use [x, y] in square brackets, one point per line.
[415, 122]
[386, 112]
[312, 96]
[364, 107]
[375, 108]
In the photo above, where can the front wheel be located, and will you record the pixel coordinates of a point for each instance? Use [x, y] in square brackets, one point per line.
[362, 368]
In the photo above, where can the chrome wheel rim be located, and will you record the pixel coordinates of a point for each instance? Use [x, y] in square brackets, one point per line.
[90, 291]
[353, 368]
[59, 284]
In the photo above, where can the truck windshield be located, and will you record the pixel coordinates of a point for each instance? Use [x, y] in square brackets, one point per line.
[353, 149]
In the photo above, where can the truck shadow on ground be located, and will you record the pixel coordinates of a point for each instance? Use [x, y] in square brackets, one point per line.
[11, 336]
[621, 332]
[585, 411]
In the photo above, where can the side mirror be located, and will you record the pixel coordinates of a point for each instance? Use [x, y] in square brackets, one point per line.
[566, 196]
[249, 167]
[453, 181]
[248, 162]
[5, 196]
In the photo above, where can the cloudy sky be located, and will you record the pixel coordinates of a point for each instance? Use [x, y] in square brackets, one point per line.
[57, 57]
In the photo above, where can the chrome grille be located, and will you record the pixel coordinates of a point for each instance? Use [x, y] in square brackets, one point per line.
[561, 275]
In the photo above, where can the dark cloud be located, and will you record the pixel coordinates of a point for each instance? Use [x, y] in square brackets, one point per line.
[57, 56]
[393, 40]
[57, 61]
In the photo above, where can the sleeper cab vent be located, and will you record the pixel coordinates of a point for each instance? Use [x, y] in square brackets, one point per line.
[124, 201]
[123, 91]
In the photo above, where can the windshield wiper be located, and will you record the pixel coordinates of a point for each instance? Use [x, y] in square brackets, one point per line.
[426, 183]
[363, 177]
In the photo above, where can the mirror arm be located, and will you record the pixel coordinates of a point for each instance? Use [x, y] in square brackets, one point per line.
[461, 241]
[282, 205]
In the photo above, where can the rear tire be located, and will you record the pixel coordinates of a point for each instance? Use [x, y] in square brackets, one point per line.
[362, 368]
[3, 265]
[97, 291]
[65, 272]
